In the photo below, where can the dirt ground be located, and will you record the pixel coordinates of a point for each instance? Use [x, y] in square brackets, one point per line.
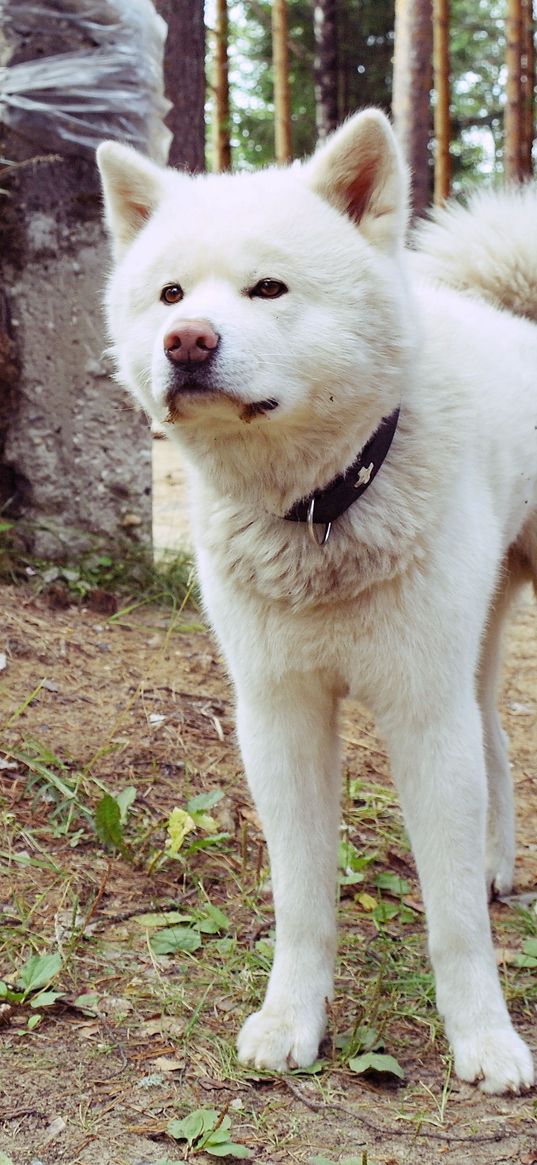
[140, 699]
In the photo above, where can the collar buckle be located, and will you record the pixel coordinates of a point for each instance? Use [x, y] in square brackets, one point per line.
[318, 539]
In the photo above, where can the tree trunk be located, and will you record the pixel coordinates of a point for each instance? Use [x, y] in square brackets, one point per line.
[282, 100]
[513, 108]
[442, 120]
[412, 78]
[221, 124]
[184, 81]
[326, 66]
[75, 457]
[527, 89]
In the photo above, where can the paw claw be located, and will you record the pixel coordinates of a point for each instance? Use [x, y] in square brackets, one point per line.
[498, 1061]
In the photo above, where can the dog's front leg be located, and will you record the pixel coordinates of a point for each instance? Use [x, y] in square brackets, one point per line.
[440, 770]
[288, 737]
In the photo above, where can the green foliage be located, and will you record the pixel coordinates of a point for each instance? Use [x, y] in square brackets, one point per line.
[207, 1131]
[366, 50]
[363, 1051]
[477, 48]
[376, 1064]
[50, 778]
[366, 45]
[187, 930]
[34, 977]
[127, 571]
[528, 957]
[109, 825]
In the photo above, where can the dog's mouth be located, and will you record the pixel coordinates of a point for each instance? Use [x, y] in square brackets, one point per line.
[177, 398]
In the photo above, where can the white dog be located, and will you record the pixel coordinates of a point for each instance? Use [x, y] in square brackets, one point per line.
[362, 449]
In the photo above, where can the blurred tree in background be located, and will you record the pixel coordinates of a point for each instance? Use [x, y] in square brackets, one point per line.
[341, 58]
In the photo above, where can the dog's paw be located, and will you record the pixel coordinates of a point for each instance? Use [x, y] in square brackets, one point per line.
[278, 1040]
[498, 1060]
[500, 873]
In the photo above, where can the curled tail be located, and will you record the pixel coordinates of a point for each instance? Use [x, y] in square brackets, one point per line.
[488, 248]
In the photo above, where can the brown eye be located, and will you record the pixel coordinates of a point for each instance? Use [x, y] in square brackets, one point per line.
[268, 289]
[172, 293]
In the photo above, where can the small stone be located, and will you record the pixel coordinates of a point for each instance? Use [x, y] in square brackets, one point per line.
[131, 520]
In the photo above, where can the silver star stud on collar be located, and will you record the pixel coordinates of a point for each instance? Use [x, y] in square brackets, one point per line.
[364, 475]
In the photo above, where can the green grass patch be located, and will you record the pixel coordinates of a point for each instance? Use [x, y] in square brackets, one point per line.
[126, 569]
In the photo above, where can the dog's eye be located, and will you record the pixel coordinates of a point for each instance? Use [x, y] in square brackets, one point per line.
[172, 293]
[268, 289]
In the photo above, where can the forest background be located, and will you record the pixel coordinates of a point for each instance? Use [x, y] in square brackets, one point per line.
[340, 55]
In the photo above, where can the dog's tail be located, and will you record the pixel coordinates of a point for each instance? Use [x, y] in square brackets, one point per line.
[488, 248]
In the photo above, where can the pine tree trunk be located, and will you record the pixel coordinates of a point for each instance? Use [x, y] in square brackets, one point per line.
[344, 107]
[184, 81]
[221, 119]
[412, 79]
[527, 89]
[442, 120]
[282, 101]
[326, 66]
[513, 108]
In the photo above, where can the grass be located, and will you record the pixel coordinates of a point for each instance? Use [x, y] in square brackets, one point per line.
[127, 571]
[153, 890]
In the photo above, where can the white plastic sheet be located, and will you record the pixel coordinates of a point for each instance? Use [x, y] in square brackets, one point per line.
[111, 88]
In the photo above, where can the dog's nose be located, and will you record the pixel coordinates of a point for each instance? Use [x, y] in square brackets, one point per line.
[191, 342]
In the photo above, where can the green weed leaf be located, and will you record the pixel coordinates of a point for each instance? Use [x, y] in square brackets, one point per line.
[88, 1003]
[38, 971]
[377, 1062]
[204, 801]
[193, 1126]
[108, 825]
[180, 823]
[206, 1131]
[311, 1069]
[45, 998]
[392, 884]
[10, 996]
[225, 1149]
[175, 938]
[125, 799]
[212, 920]
[528, 957]
[205, 842]
[162, 918]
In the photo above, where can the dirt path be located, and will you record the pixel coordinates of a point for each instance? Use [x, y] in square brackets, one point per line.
[140, 700]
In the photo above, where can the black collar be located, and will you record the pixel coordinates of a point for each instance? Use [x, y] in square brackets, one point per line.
[325, 505]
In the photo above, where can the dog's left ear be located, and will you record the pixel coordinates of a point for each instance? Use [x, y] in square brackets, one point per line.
[361, 172]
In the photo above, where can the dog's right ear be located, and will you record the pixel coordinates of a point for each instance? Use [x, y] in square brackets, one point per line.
[132, 190]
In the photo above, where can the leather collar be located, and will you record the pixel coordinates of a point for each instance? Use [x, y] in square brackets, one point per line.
[324, 506]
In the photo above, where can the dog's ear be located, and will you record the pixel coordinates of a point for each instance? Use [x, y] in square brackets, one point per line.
[132, 190]
[361, 172]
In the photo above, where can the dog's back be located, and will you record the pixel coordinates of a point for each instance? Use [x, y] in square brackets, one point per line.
[488, 248]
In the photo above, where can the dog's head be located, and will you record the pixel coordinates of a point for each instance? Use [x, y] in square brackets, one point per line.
[271, 297]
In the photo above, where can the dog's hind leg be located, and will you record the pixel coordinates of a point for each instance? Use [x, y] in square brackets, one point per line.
[500, 850]
[288, 736]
